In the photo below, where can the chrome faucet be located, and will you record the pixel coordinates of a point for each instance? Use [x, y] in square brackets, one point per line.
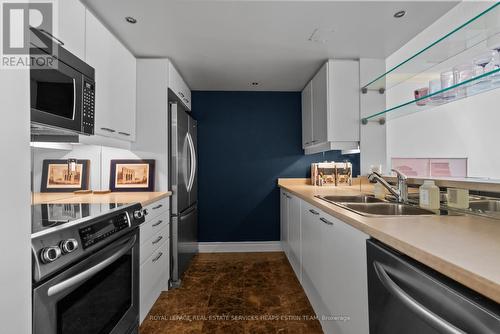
[401, 193]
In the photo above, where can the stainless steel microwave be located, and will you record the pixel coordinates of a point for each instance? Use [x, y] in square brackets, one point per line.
[62, 88]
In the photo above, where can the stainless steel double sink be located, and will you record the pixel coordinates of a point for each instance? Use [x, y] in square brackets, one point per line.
[367, 205]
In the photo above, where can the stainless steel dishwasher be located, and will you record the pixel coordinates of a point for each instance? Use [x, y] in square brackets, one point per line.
[408, 297]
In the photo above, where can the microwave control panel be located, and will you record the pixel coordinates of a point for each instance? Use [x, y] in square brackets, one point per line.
[88, 107]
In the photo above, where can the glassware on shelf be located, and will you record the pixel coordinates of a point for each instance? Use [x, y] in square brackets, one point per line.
[448, 80]
[495, 64]
[419, 94]
[435, 86]
[484, 61]
[463, 73]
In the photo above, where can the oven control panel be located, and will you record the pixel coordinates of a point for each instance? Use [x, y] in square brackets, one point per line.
[94, 233]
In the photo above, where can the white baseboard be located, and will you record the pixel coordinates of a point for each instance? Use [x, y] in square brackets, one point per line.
[240, 247]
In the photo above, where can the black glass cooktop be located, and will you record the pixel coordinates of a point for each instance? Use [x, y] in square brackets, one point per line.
[44, 216]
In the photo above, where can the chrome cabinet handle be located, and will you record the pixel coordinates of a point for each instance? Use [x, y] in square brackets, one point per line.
[157, 240]
[182, 95]
[157, 257]
[158, 223]
[307, 143]
[51, 36]
[124, 133]
[314, 212]
[326, 221]
[428, 316]
[314, 141]
[157, 207]
[108, 130]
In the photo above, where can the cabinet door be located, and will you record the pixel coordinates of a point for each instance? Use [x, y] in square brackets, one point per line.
[307, 121]
[115, 75]
[179, 86]
[124, 92]
[72, 26]
[344, 286]
[99, 55]
[284, 221]
[294, 234]
[320, 105]
[311, 244]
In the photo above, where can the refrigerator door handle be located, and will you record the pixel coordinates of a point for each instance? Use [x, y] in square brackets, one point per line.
[428, 316]
[188, 213]
[193, 162]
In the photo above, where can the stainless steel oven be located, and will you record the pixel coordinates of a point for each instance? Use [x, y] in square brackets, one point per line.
[62, 90]
[99, 295]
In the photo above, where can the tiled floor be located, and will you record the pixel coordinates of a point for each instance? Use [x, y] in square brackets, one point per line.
[250, 293]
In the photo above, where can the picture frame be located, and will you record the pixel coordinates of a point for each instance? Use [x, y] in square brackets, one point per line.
[56, 178]
[132, 175]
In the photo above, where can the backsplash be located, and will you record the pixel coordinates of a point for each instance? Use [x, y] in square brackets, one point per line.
[100, 158]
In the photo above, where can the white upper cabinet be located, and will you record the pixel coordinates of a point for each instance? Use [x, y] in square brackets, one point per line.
[307, 126]
[320, 106]
[334, 108]
[115, 76]
[179, 86]
[71, 30]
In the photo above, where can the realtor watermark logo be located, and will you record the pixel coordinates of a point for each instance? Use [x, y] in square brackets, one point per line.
[26, 37]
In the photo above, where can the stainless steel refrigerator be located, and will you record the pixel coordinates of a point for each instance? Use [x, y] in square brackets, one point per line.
[184, 185]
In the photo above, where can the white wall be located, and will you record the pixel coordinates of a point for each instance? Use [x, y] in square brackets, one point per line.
[15, 239]
[466, 128]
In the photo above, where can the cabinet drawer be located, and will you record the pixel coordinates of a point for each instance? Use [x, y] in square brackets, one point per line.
[152, 244]
[156, 208]
[153, 226]
[154, 275]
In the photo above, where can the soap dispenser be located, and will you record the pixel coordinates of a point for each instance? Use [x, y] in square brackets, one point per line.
[429, 195]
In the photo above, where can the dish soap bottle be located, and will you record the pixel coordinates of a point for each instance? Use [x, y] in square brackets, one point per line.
[429, 195]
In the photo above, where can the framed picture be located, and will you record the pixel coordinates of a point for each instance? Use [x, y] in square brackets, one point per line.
[132, 175]
[59, 176]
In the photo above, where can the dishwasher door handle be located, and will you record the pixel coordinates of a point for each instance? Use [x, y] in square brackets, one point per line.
[428, 316]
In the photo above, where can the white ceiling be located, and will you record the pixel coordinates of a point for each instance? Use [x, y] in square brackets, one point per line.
[227, 45]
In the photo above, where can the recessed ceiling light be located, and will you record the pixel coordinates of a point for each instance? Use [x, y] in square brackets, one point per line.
[400, 14]
[130, 19]
[255, 83]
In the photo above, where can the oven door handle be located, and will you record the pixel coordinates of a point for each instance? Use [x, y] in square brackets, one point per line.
[425, 314]
[85, 275]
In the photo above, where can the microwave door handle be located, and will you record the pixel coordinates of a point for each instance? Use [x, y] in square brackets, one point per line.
[74, 99]
[85, 275]
[425, 314]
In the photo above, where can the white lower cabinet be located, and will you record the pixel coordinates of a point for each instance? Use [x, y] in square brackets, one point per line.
[291, 231]
[334, 273]
[155, 255]
[294, 235]
[153, 279]
[284, 221]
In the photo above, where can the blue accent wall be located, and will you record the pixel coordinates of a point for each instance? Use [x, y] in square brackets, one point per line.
[246, 141]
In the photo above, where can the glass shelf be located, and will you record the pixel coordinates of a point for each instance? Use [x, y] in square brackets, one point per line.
[480, 84]
[481, 32]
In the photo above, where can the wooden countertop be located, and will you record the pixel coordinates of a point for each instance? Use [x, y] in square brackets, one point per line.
[464, 248]
[145, 198]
